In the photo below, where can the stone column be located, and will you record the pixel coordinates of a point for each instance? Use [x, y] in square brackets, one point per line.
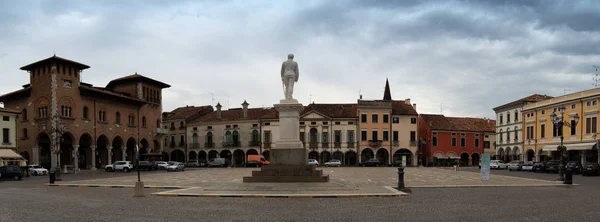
[109, 155]
[93, 147]
[124, 150]
[75, 158]
[35, 153]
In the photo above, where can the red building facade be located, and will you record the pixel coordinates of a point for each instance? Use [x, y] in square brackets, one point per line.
[450, 139]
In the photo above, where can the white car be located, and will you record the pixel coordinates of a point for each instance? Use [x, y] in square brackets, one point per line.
[161, 165]
[125, 166]
[176, 166]
[37, 170]
[334, 163]
[498, 164]
[313, 162]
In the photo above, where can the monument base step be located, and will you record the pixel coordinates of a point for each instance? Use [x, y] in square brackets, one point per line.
[287, 173]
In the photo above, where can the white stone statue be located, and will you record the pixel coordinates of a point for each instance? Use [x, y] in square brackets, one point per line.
[289, 75]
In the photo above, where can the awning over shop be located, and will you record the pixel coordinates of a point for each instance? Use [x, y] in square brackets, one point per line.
[438, 155]
[8, 155]
[580, 146]
[576, 146]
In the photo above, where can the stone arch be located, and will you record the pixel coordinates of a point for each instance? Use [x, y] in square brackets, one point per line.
[350, 158]
[84, 157]
[192, 155]
[338, 155]
[117, 151]
[451, 154]
[25, 156]
[67, 140]
[266, 154]
[464, 159]
[156, 147]
[500, 153]
[439, 155]
[313, 155]
[516, 153]
[177, 155]
[406, 153]
[227, 155]
[530, 155]
[101, 151]
[130, 154]
[366, 154]
[202, 155]
[213, 154]
[144, 148]
[325, 157]
[238, 157]
[475, 157]
[383, 156]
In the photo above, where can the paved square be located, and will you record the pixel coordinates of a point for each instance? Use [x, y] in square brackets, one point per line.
[346, 177]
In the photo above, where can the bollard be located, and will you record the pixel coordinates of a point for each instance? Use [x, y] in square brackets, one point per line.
[52, 177]
[568, 176]
[400, 178]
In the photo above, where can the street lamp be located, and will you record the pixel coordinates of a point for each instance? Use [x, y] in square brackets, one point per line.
[559, 123]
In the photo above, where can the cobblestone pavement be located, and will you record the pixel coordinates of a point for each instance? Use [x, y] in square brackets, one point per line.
[351, 176]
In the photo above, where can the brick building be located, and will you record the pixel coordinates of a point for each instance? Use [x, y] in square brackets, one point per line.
[64, 121]
[448, 139]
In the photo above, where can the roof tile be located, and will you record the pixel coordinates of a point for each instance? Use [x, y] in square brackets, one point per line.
[441, 122]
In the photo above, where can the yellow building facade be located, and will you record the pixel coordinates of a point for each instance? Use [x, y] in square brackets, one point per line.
[542, 136]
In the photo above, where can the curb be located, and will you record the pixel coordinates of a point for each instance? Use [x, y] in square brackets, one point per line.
[483, 186]
[276, 195]
[111, 186]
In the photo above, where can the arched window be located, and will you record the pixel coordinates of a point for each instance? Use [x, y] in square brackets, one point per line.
[255, 137]
[507, 117]
[131, 120]
[516, 115]
[24, 114]
[228, 139]
[235, 137]
[500, 135]
[25, 134]
[507, 134]
[143, 121]
[516, 133]
[195, 138]
[209, 140]
[85, 112]
[118, 117]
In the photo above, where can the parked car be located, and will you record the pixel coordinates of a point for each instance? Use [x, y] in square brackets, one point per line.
[539, 167]
[252, 163]
[176, 166]
[11, 171]
[371, 162]
[37, 170]
[527, 166]
[334, 163]
[220, 162]
[515, 165]
[259, 158]
[591, 169]
[575, 166]
[125, 166]
[192, 163]
[498, 164]
[147, 165]
[161, 165]
[313, 162]
[551, 166]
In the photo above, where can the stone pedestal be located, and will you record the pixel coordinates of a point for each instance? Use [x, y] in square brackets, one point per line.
[138, 190]
[288, 158]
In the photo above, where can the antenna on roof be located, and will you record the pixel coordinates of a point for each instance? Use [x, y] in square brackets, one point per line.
[596, 79]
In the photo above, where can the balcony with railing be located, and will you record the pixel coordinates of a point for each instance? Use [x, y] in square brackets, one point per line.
[350, 144]
[254, 143]
[313, 145]
[161, 131]
[337, 144]
[396, 143]
[231, 144]
[413, 143]
[267, 145]
[194, 145]
[375, 143]
[209, 145]
[325, 145]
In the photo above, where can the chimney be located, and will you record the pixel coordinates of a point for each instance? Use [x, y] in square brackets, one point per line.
[219, 110]
[245, 106]
[415, 106]
[407, 101]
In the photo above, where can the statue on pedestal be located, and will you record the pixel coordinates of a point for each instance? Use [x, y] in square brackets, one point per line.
[289, 75]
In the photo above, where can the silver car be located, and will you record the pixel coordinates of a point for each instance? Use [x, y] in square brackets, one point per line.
[176, 166]
[334, 163]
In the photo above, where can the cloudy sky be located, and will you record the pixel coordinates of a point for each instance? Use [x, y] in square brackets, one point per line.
[464, 56]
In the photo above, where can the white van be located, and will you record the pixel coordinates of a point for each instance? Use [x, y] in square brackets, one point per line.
[220, 162]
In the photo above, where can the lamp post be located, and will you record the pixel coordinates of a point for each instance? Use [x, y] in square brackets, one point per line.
[559, 123]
